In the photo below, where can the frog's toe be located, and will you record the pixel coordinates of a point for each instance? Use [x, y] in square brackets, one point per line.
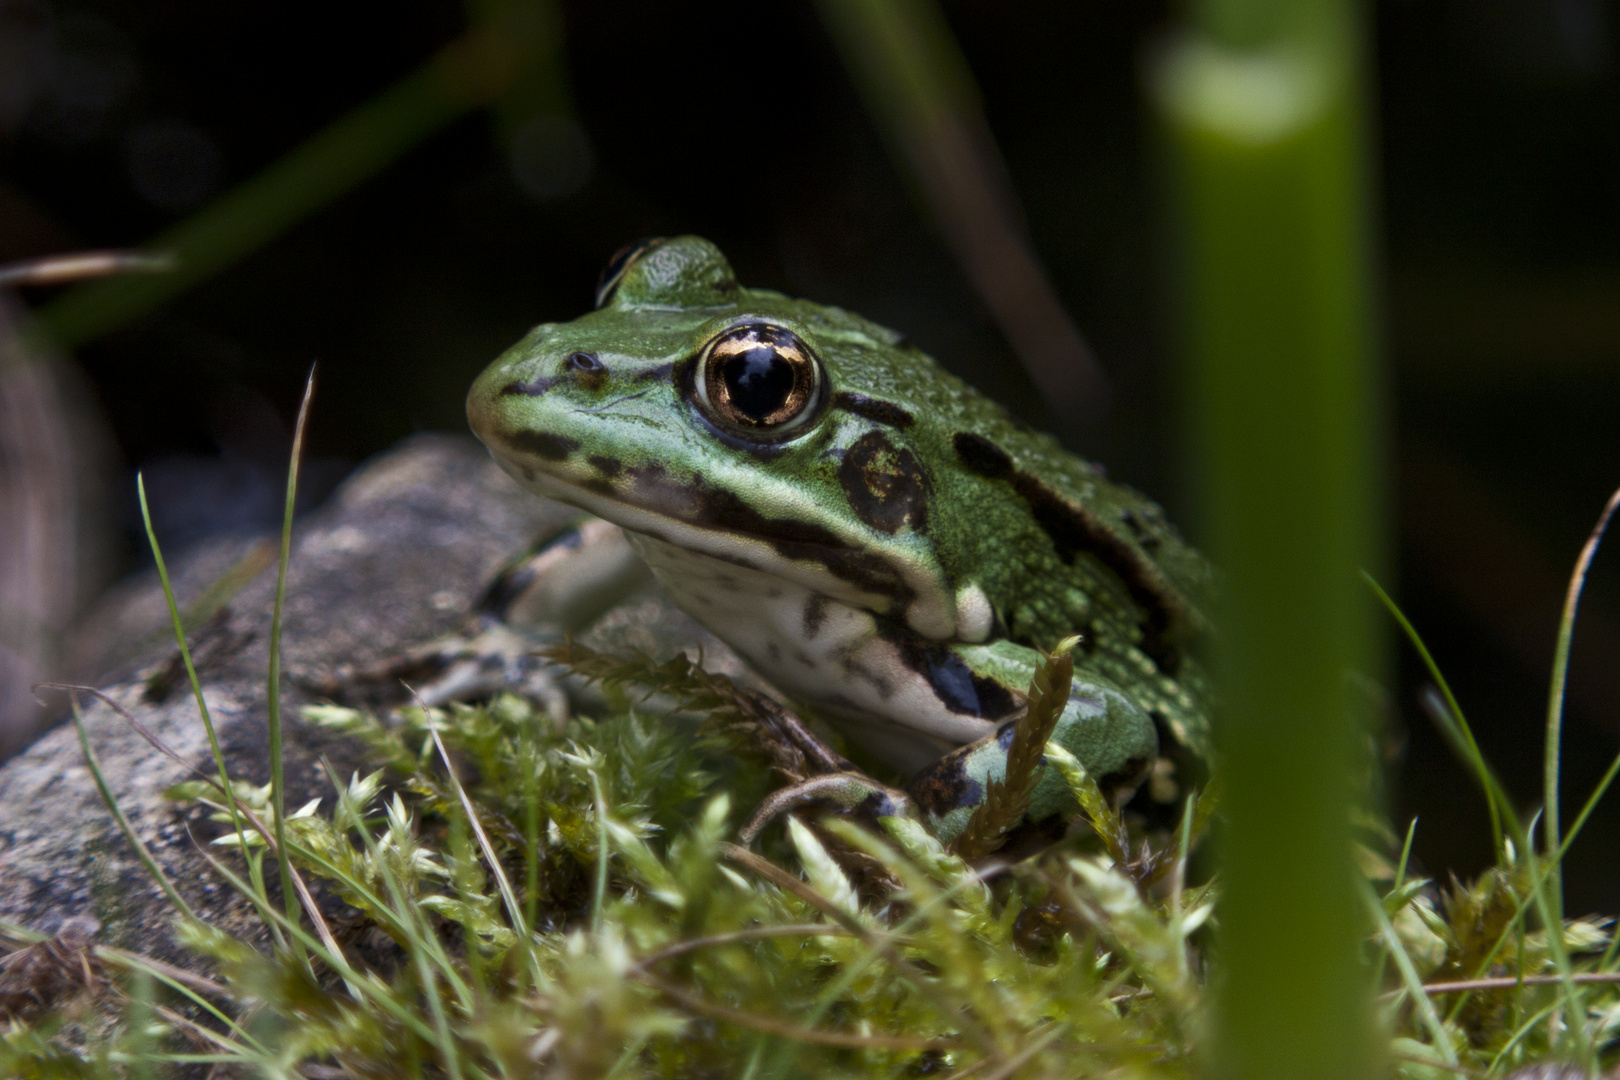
[461, 679]
[540, 684]
[850, 792]
[472, 675]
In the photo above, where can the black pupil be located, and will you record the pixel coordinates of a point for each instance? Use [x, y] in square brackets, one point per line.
[758, 381]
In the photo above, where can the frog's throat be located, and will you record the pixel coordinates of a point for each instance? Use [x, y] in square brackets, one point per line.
[925, 600]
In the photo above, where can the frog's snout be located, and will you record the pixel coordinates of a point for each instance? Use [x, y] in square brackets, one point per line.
[479, 410]
[492, 414]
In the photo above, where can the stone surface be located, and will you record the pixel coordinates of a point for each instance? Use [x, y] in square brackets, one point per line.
[396, 558]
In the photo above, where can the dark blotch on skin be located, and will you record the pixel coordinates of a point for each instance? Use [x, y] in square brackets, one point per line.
[698, 502]
[879, 804]
[815, 613]
[884, 484]
[994, 698]
[724, 510]
[542, 444]
[661, 373]
[1126, 777]
[945, 786]
[979, 455]
[510, 583]
[853, 669]
[956, 685]
[609, 467]
[952, 683]
[880, 412]
[535, 388]
[1072, 531]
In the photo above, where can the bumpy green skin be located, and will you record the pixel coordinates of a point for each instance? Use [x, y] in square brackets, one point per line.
[908, 495]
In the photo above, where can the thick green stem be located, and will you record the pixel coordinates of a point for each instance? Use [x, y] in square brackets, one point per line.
[1268, 138]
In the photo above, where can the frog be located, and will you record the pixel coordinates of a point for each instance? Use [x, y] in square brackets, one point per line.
[883, 544]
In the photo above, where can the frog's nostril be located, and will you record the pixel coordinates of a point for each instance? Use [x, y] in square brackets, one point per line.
[585, 363]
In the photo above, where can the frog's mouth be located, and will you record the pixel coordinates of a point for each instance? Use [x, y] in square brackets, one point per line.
[700, 516]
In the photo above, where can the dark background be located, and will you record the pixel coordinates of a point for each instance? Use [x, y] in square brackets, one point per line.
[1497, 158]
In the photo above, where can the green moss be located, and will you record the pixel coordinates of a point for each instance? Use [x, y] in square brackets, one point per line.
[599, 922]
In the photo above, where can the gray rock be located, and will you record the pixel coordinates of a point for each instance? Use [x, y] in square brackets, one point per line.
[397, 557]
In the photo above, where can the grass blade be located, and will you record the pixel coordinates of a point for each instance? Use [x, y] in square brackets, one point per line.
[473, 70]
[514, 910]
[1461, 734]
[909, 69]
[1555, 701]
[124, 826]
[369, 987]
[419, 937]
[278, 780]
[1409, 976]
[185, 656]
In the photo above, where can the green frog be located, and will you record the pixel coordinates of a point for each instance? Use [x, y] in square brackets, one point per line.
[883, 544]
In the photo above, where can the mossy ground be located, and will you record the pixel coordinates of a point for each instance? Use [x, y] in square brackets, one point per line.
[570, 904]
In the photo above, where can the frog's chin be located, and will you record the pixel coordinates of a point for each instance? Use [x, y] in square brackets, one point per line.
[920, 599]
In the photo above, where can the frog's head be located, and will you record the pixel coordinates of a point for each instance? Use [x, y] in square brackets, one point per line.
[738, 423]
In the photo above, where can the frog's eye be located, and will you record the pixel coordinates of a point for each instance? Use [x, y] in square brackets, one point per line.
[619, 265]
[759, 380]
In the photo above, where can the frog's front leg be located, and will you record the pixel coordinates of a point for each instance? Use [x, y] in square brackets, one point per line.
[1100, 725]
[561, 584]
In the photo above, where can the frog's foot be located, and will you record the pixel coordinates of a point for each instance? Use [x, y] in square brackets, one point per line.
[795, 750]
[560, 584]
[490, 662]
[849, 792]
[488, 659]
